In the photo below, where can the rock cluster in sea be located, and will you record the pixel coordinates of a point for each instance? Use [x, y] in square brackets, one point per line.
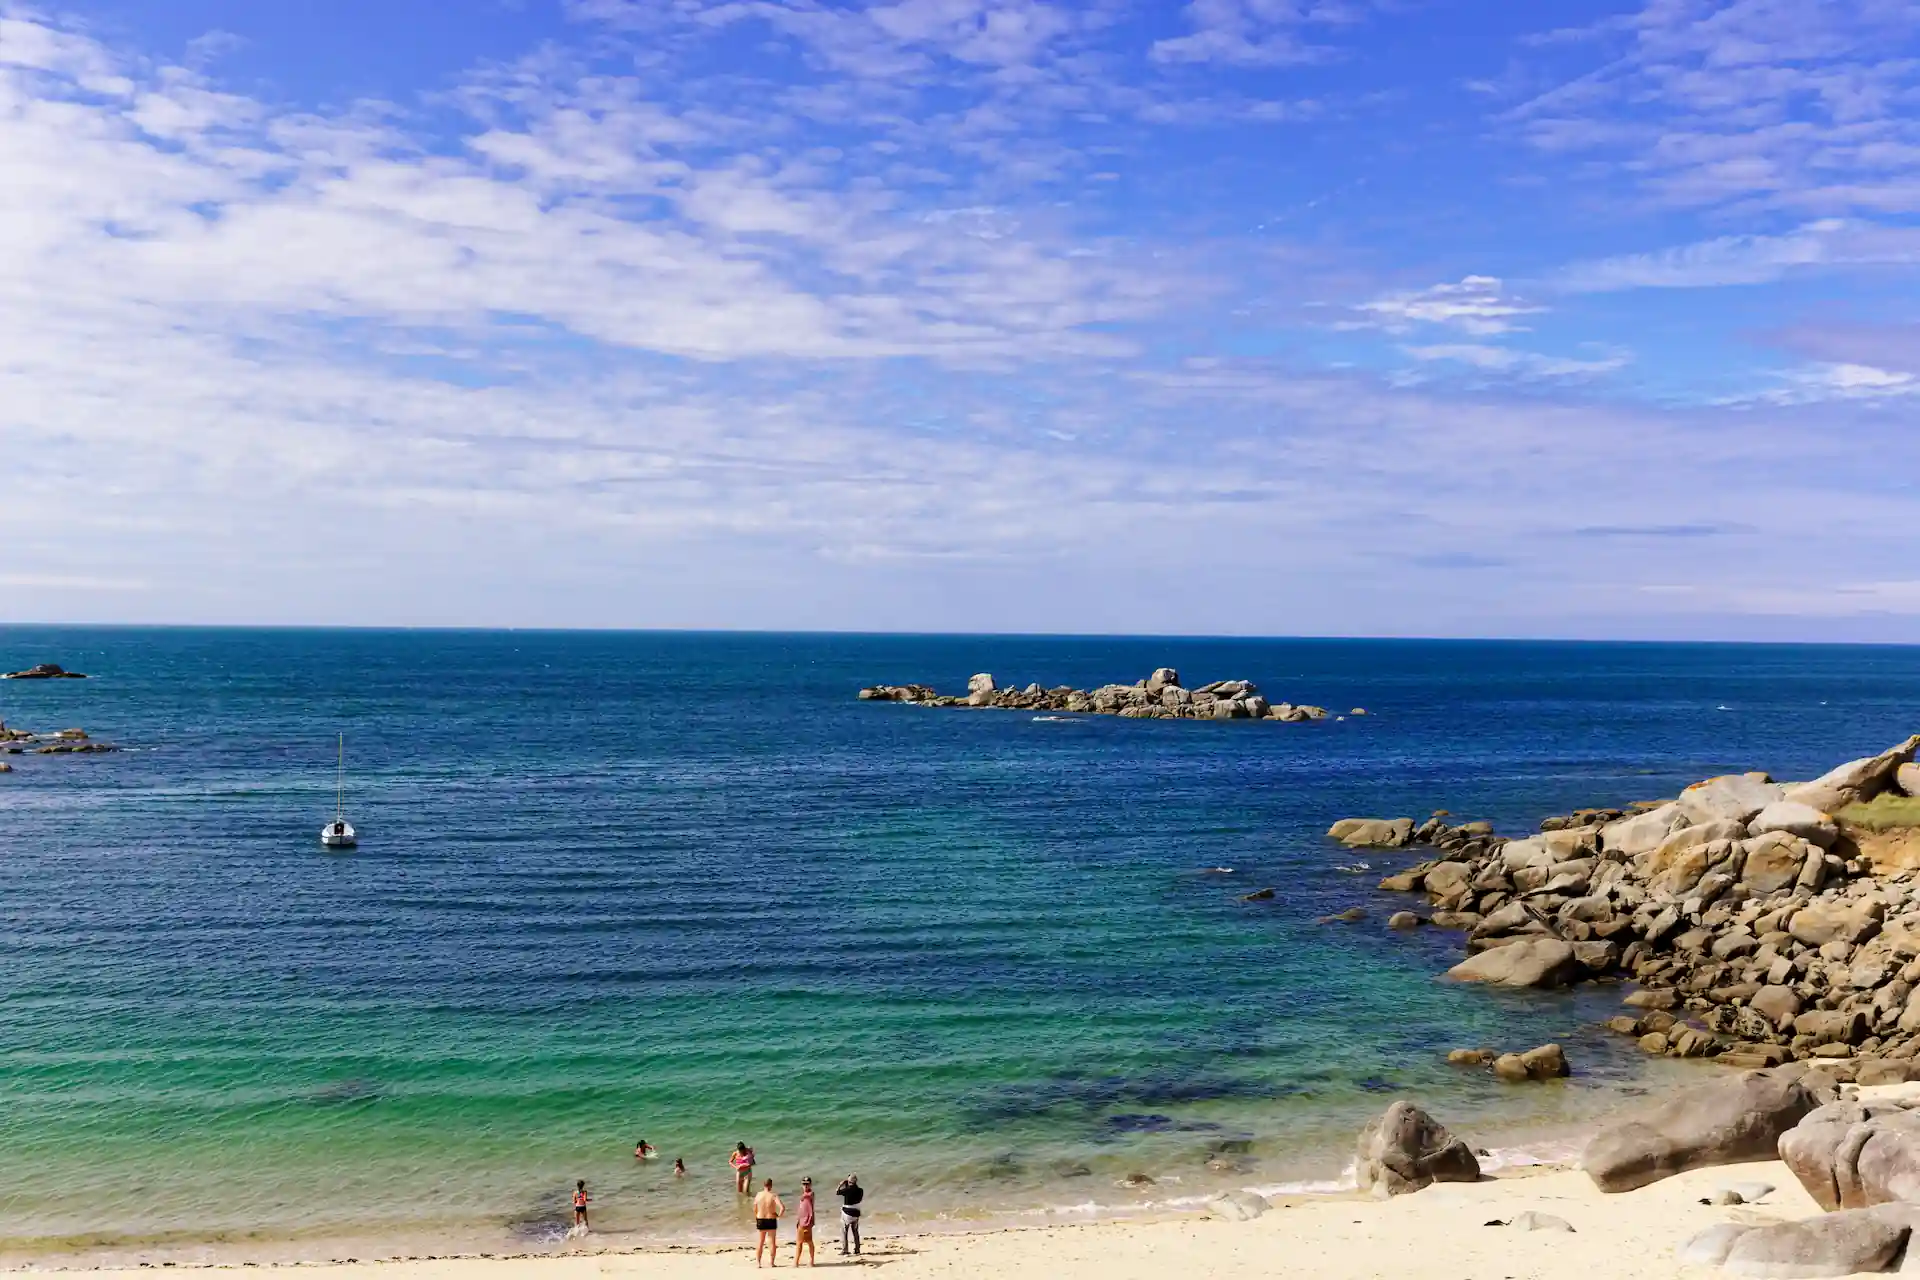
[45, 671]
[1750, 912]
[1160, 696]
[66, 742]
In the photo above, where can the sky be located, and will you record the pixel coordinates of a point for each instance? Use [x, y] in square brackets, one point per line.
[1239, 317]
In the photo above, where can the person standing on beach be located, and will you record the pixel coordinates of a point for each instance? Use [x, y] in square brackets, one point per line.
[580, 1199]
[803, 1225]
[767, 1211]
[851, 1193]
[742, 1161]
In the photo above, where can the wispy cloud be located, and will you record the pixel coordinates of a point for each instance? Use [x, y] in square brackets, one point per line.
[1508, 360]
[1821, 383]
[1254, 33]
[1803, 107]
[1831, 243]
[1477, 305]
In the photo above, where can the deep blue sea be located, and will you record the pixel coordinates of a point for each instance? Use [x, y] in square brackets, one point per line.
[686, 887]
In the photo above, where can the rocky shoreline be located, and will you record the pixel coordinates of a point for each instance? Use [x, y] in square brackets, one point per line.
[1160, 696]
[1762, 922]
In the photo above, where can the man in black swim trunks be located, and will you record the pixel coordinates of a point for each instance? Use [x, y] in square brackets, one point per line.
[767, 1212]
[851, 1193]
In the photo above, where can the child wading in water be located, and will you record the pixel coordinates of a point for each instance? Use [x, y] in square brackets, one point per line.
[580, 1199]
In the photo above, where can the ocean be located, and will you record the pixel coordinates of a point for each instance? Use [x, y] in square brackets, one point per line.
[686, 887]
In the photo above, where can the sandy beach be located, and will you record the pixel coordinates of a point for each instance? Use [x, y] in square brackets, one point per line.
[1441, 1231]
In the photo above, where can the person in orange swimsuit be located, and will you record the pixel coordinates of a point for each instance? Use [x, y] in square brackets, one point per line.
[580, 1199]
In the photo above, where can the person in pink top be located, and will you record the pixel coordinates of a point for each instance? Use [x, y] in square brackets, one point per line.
[803, 1224]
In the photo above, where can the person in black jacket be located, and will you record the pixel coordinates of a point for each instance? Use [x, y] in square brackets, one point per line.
[851, 1193]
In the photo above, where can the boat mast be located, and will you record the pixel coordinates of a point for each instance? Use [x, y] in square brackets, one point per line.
[340, 783]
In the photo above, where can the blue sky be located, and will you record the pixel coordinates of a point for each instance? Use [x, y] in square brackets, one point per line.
[1441, 317]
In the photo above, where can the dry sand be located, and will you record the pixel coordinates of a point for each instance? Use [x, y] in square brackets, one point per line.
[1440, 1232]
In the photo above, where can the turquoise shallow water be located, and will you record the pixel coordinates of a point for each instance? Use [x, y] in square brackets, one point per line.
[686, 887]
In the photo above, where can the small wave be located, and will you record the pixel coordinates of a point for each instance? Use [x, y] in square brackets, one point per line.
[1356, 868]
[1557, 1152]
[1053, 719]
[1216, 871]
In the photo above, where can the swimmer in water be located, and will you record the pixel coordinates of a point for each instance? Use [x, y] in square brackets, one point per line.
[679, 1168]
[742, 1162]
[643, 1150]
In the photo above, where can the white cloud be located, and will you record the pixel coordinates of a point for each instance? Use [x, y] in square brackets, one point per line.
[1523, 363]
[1252, 33]
[1830, 243]
[1757, 103]
[1476, 304]
[1822, 383]
[615, 350]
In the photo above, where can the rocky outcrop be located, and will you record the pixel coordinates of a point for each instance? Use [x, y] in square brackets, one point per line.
[1855, 781]
[45, 671]
[1752, 916]
[1159, 697]
[1548, 1062]
[1853, 1155]
[1724, 1121]
[1836, 1244]
[1406, 1149]
[1372, 833]
[1543, 962]
[66, 742]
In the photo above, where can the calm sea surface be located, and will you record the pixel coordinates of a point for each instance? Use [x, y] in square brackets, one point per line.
[687, 888]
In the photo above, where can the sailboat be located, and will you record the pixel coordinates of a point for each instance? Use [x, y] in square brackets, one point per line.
[338, 834]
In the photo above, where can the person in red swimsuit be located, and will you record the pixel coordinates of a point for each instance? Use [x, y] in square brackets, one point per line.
[580, 1199]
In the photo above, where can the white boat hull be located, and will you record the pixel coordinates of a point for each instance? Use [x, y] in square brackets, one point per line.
[338, 835]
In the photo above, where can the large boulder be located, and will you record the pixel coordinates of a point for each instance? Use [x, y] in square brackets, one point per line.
[980, 689]
[1854, 781]
[1372, 833]
[1735, 797]
[1850, 1155]
[1691, 837]
[1906, 779]
[1406, 1149]
[1836, 1244]
[1532, 962]
[1774, 861]
[1723, 1121]
[1547, 848]
[1824, 922]
[1642, 833]
[1796, 819]
[1162, 678]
